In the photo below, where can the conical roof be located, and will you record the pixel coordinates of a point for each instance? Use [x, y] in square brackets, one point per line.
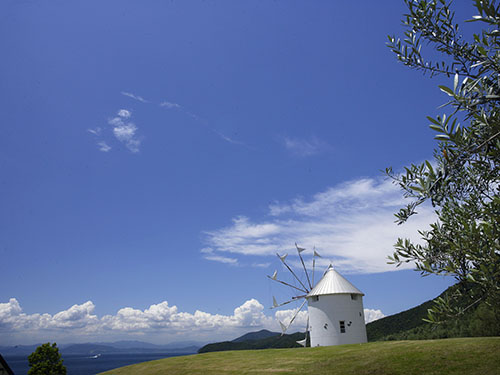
[333, 282]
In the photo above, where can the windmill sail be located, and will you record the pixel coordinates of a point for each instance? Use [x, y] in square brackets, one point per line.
[291, 271]
[303, 288]
[300, 250]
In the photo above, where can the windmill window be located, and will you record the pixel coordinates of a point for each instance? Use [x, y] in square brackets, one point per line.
[354, 297]
[342, 326]
[315, 298]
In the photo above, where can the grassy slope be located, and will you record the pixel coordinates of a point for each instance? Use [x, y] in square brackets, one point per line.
[450, 356]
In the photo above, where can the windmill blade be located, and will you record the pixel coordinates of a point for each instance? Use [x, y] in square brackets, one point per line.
[283, 328]
[291, 271]
[314, 261]
[273, 277]
[299, 250]
[307, 330]
[293, 318]
[276, 304]
[290, 285]
[282, 257]
[302, 342]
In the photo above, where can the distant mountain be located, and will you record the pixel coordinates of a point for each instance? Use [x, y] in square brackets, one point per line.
[262, 334]
[269, 340]
[129, 344]
[134, 344]
[87, 349]
[18, 349]
[186, 347]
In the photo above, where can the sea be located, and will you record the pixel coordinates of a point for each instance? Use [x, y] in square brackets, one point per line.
[87, 365]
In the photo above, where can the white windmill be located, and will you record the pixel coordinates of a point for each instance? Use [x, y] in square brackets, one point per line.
[335, 306]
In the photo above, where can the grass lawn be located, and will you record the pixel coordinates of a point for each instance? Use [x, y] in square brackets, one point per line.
[463, 356]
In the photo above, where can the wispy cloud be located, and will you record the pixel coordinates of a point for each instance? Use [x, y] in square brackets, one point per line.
[208, 254]
[96, 131]
[136, 97]
[172, 105]
[160, 322]
[305, 147]
[103, 146]
[351, 224]
[228, 139]
[261, 265]
[124, 130]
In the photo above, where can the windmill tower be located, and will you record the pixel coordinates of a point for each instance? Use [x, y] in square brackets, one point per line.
[336, 311]
[335, 306]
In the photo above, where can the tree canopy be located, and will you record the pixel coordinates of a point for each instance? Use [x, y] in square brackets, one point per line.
[462, 182]
[46, 360]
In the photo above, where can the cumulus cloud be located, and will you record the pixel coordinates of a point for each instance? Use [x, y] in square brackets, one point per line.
[125, 130]
[351, 225]
[159, 321]
[161, 318]
[371, 315]
[123, 113]
[136, 97]
[305, 147]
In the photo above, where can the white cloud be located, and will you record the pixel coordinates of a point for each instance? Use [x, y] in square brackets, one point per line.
[157, 323]
[305, 147]
[371, 315]
[300, 321]
[209, 255]
[136, 97]
[96, 131]
[261, 265]
[351, 225]
[103, 146]
[170, 105]
[124, 113]
[124, 130]
[228, 139]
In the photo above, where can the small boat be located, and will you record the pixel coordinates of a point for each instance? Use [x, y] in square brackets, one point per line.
[96, 356]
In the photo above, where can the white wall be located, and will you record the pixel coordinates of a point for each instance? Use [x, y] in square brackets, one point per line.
[325, 316]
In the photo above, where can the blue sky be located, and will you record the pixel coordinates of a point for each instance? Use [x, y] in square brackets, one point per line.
[156, 155]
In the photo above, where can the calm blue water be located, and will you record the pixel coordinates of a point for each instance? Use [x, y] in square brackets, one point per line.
[81, 365]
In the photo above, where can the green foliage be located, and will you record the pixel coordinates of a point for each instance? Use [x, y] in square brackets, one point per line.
[392, 326]
[46, 360]
[479, 320]
[463, 181]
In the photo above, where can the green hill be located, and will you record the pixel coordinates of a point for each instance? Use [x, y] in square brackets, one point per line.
[398, 323]
[259, 335]
[256, 340]
[477, 320]
[471, 356]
